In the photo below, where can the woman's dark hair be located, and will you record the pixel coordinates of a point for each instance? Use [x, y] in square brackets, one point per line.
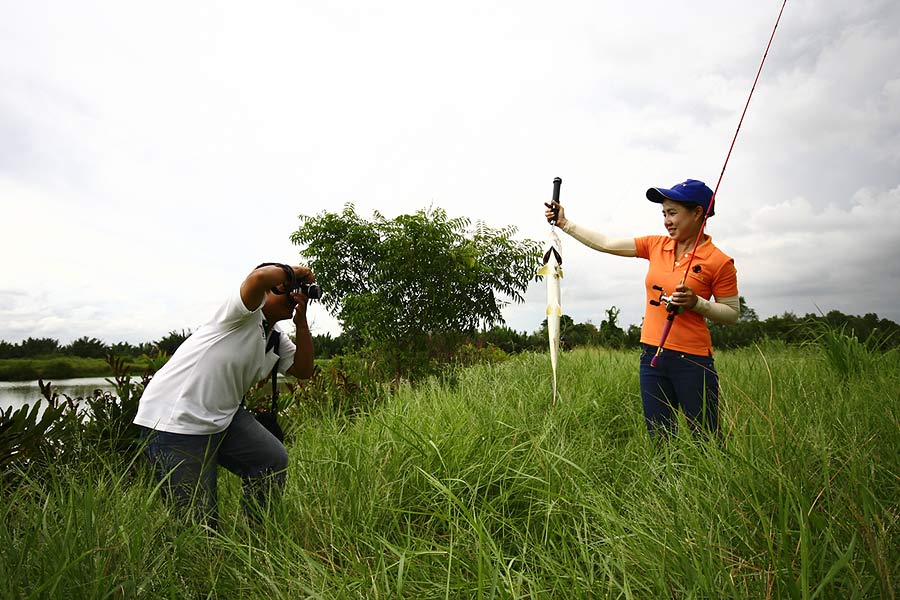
[689, 205]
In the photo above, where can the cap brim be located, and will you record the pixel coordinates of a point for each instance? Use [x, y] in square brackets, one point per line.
[658, 195]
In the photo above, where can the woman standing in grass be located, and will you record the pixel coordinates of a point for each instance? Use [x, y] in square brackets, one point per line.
[685, 376]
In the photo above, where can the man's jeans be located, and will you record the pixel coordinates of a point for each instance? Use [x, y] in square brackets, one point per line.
[187, 464]
[679, 380]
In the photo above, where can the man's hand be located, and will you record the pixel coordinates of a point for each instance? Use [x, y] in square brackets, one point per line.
[304, 364]
[303, 274]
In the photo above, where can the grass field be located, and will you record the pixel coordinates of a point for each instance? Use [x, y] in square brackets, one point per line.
[476, 488]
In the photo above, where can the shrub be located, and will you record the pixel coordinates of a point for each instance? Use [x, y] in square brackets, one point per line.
[36, 435]
[846, 354]
[348, 386]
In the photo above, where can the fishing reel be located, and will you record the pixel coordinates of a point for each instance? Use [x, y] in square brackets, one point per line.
[667, 300]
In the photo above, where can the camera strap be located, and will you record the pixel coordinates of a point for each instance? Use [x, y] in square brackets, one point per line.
[272, 344]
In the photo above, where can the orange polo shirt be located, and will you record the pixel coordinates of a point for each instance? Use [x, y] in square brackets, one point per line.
[712, 275]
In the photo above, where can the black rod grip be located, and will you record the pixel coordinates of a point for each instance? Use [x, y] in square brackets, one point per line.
[557, 182]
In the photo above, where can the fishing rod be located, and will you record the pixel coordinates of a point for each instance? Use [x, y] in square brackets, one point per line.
[670, 319]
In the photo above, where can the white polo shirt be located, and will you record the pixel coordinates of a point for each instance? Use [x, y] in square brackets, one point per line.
[200, 388]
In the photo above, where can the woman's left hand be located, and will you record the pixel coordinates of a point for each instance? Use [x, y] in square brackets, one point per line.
[684, 296]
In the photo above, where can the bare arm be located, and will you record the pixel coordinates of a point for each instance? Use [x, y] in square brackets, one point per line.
[261, 280]
[304, 363]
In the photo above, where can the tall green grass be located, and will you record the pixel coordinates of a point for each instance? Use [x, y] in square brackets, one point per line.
[478, 489]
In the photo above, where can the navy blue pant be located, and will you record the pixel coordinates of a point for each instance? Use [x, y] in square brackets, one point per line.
[188, 465]
[679, 381]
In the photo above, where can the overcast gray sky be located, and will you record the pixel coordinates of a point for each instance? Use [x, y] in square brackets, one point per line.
[152, 153]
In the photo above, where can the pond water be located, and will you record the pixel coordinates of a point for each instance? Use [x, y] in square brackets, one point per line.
[19, 393]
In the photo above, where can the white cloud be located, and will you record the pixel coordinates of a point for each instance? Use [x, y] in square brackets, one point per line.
[151, 154]
[844, 253]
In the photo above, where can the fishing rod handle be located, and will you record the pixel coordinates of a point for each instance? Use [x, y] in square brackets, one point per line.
[665, 334]
[557, 182]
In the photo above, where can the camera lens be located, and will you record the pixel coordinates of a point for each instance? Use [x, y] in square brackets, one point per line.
[311, 290]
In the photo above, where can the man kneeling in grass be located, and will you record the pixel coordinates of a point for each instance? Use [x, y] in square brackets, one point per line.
[191, 414]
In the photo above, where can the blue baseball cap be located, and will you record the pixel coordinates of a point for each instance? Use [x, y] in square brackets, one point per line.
[689, 190]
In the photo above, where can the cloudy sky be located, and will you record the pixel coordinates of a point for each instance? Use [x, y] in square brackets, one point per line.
[152, 153]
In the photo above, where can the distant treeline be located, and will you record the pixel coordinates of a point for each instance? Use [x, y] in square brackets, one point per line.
[89, 347]
[876, 332]
[879, 334]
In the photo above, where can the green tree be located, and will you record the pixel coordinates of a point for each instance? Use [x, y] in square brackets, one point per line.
[87, 348]
[581, 334]
[327, 346]
[746, 331]
[171, 341]
[611, 335]
[412, 287]
[124, 349]
[506, 338]
[633, 336]
[746, 314]
[34, 347]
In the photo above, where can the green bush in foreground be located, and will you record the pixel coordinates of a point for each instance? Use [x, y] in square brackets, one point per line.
[479, 489]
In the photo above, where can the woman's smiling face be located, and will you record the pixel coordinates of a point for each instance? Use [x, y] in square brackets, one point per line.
[681, 222]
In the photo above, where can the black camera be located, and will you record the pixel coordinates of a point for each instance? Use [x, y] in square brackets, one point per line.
[311, 290]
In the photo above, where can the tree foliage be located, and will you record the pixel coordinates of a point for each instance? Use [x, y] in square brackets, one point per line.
[169, 343]
[87, 347]
[29, 348]
[611, 335]
[417, 284]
